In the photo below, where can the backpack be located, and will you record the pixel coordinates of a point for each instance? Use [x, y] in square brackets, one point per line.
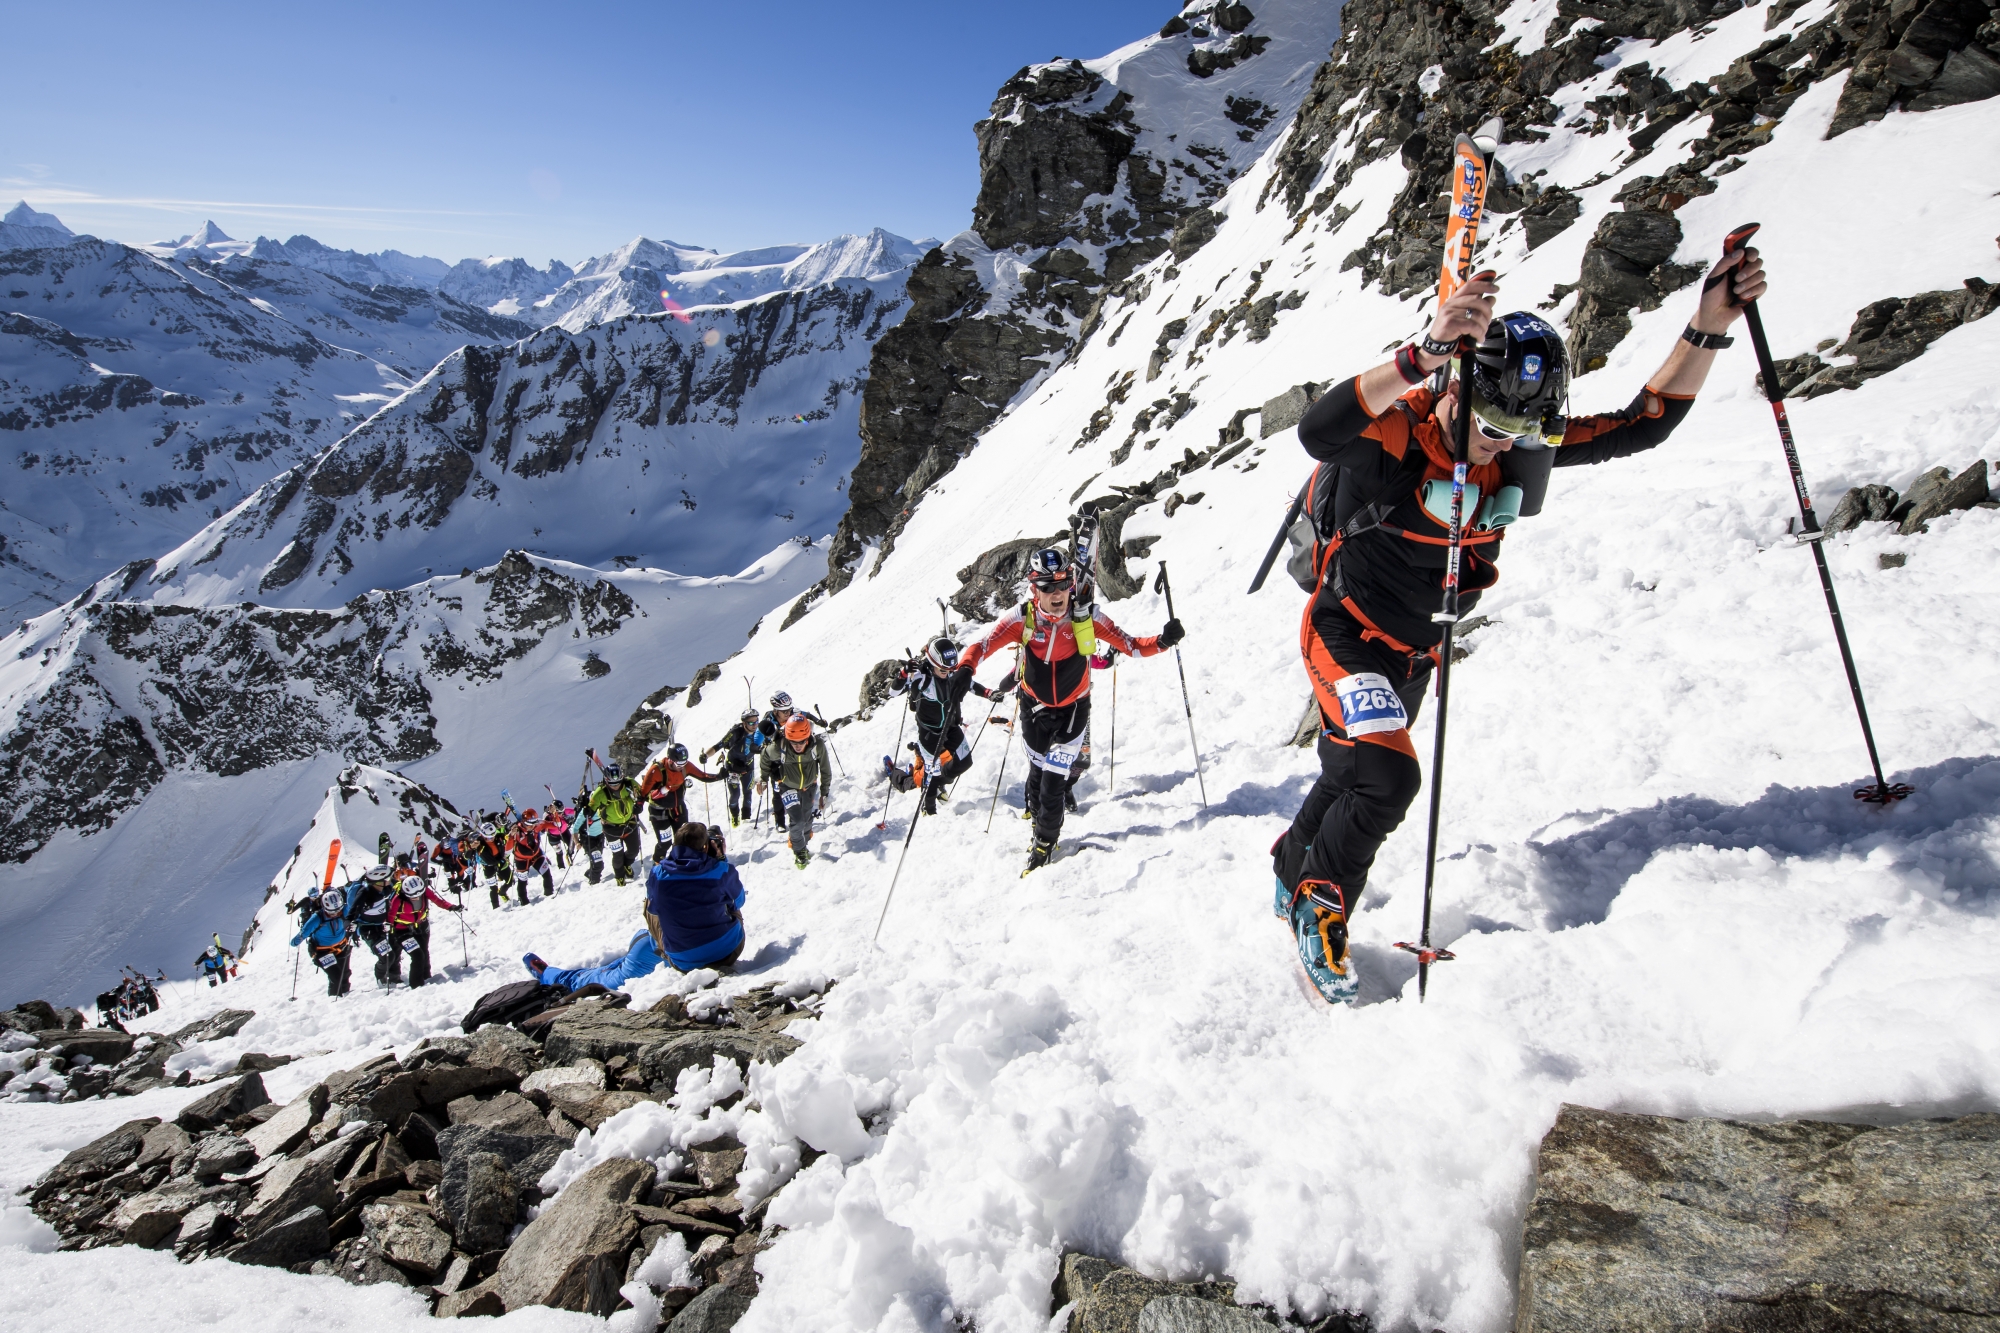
[510, 1004]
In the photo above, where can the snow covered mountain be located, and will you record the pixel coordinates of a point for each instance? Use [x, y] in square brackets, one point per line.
[694, 445]
[141, 397]
[1661, 895]
[180, 745]
[267, 352]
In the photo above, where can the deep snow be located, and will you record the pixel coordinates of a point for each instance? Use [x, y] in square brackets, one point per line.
[1662, 896]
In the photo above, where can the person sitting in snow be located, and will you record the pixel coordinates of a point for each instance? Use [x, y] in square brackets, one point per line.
[694, 917]
[1380, 509]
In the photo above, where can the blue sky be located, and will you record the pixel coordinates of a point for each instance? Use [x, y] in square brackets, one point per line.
[458, 129]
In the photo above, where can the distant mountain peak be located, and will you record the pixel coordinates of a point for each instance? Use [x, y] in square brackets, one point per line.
[23, 216]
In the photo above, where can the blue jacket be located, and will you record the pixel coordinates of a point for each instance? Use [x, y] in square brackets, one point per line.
[322, 931]
[697, 900]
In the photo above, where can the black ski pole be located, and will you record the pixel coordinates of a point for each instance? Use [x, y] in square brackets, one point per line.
[1000, 779]
[877, 936]
[295, 976]
[1163, 585]
[829, 745]
[1448, 617]
[1883, 791]
[890, 794]
[1278, 542]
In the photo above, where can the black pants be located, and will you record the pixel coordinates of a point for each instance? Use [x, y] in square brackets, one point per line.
[623, 840]
[1366, 783]
[388, 963]
[667, 813]
[945, 755]
[336, 971]
[1044, 730]
[522, 874]
[400, 940]
[593, 847]
[742, 790]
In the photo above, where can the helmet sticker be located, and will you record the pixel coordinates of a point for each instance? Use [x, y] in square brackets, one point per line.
[1531, 369]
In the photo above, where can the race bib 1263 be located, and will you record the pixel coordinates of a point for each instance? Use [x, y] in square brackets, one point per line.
[1368, 706]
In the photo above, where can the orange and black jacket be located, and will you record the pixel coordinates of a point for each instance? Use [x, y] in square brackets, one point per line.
[1053, 673]
[524, 842]
[1391, 576]
[660, 781]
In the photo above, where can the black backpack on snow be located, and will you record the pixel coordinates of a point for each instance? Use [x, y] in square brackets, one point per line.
[510, 1004]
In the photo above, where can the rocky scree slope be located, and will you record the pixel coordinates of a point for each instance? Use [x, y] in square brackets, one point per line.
[1088, 170]
[694, 445]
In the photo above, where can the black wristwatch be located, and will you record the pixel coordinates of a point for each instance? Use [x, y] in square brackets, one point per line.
[1708, 342]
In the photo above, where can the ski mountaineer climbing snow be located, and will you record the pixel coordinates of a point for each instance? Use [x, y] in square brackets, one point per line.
[616, 803]
[215, 963]
[772, 729]
[664, 789]
[1058, 631]
[328, 936]
[410, 923]
[937, 685]
[694, 916]
[799, 774]
[1380, 509]
[524, 850]
[370, 914]
[739, 750]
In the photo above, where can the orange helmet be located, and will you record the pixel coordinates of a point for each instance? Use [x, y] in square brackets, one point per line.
[529, 813]
[798, 729]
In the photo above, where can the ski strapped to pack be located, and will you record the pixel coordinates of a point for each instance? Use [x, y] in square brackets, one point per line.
[1884, 791]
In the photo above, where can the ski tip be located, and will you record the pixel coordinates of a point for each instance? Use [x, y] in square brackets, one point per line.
[1488, 136]
[1739, 238]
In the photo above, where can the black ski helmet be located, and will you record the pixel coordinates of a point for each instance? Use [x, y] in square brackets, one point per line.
[613, 775]
[1520, 376]
[749, 715]
[1048, 569]
[677, 753]
[942, 654]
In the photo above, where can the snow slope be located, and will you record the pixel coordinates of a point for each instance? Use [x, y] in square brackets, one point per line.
[1662, 896]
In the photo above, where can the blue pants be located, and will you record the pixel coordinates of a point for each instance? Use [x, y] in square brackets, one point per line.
[641, 958]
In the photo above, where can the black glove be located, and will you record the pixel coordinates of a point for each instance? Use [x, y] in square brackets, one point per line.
[1171, 633]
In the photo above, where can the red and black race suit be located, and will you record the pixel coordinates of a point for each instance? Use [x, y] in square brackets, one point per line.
[1393, 575]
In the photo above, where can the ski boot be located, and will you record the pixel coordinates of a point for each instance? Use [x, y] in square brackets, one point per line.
[1069, 801]
[534, 965]
[1040, 852]
[800, 863]
[1319, 926]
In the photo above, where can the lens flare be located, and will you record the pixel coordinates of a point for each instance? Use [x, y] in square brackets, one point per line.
[709, 339]
[673, 307]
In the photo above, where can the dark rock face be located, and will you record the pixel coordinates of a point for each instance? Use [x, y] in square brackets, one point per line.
[573, 1256]
[715, 1310]
[481, 1199]
[216, 1109]
[1893, 332]
[1646, 1222]
[295, 1238]
[1110, 1299]
[1624, 268]
[987, 586]
[1861, 504]
[1059, 170]
[1937, 493]
[649, 728]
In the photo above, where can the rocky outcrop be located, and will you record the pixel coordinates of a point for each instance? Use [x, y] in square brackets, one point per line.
[1103, 1297]
[1886, 334]
[1070, 207]
[648, 729]
[361, 1178]
[1645, 1222]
